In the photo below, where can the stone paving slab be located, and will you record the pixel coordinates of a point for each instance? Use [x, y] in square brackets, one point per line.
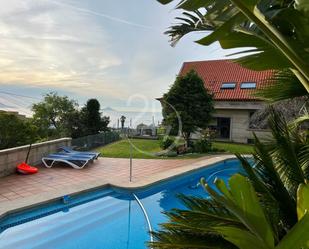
[20, 191]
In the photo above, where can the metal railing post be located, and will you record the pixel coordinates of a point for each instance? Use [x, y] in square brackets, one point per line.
[146, 217]
[130, 162]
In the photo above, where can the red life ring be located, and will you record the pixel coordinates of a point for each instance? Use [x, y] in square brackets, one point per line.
[26, 169]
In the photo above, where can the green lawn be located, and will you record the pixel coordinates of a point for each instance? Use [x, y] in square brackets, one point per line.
[144, 148]
[121, 149]
[234, 148]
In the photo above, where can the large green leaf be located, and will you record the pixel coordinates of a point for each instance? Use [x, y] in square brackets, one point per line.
[302, 5]
[223, 30]
[243, 239]
[297, 122]
[262, 60]
[298, 236]
[283, 85]
[302, 200]
[249, 9]
[243, 202]
[285, 29]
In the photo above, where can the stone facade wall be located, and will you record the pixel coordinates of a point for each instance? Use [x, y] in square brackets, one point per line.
[10, 158]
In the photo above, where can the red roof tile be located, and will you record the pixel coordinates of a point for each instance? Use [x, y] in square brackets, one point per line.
[216, 72]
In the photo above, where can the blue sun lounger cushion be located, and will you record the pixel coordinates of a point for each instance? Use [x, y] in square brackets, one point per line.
[71, 151]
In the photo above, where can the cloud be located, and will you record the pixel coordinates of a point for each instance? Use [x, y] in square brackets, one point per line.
[15, 103]
[83, 52]
[47, 44]
[112, 18]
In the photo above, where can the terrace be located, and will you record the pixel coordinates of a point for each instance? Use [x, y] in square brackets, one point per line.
[18, 191]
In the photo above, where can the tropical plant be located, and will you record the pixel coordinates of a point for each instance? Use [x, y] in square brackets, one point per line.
[261, 208]
[273, 34]
[187, 106]
[243, 224]
[202, 145]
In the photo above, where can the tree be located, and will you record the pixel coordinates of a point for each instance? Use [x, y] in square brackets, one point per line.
[187, 105]
[15, 131]
[260, 209]
[74, 121]
[122, 120]
[105, 121]
[54, 115]
[278, 31]
[92, 119]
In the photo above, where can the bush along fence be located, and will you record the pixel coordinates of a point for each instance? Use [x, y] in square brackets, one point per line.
[94, 141]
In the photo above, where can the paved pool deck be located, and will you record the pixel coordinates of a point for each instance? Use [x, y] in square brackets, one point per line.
[20, 191]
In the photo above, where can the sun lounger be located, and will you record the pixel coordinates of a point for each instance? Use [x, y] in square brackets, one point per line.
[70, 150]
[77, 162]
[91, 157]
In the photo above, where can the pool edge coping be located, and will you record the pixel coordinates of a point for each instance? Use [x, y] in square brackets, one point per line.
[46, 197]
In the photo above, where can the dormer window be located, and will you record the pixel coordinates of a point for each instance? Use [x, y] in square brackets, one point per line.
[228, 85]
[248, 85]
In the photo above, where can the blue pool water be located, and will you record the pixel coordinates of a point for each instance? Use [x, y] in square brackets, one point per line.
[105, 218]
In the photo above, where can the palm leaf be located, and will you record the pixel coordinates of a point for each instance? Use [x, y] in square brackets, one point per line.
[239, 199]
[193, 228]
[191, 22]
[283, 85]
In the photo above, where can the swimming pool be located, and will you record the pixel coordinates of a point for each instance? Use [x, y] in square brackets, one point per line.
[105, 218]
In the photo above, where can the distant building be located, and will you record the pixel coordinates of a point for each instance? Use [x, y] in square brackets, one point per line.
[13, 113]
[145, 130]
[233, 87]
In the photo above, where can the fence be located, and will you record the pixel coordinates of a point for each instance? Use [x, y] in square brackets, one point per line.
[94, 141]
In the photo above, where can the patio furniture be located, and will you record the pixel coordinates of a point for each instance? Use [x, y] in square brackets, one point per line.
[71, 151]
[77, 162]
[62, 153]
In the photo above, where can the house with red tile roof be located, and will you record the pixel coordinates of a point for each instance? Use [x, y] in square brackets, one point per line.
[233, 88]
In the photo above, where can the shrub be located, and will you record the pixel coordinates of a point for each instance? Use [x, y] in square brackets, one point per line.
[202, 146]
[166, 142]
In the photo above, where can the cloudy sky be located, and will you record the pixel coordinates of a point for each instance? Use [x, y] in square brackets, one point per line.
[113, 50]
